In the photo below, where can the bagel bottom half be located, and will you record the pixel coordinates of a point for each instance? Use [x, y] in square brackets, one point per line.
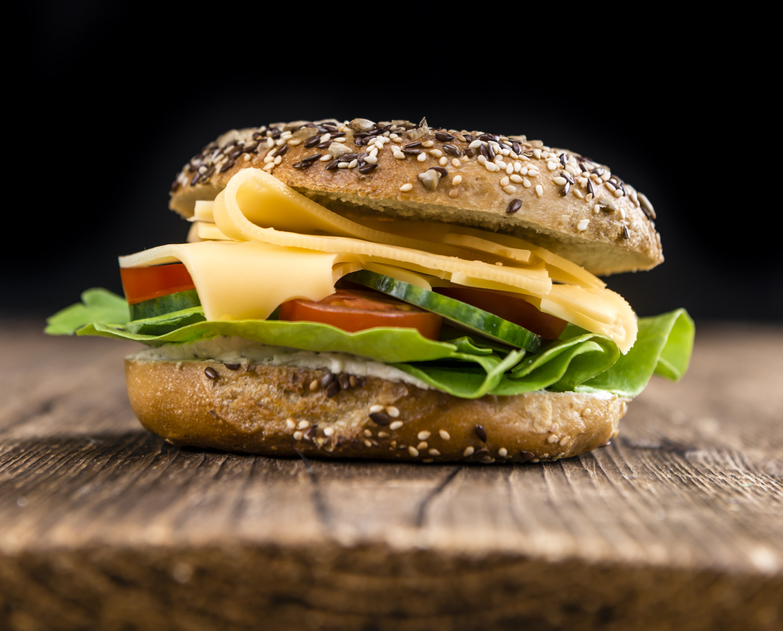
[290, 411]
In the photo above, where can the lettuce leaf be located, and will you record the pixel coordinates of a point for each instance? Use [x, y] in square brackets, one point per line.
[98, 306]
[461, 365]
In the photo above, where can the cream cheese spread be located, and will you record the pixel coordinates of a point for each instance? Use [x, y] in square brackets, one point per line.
[240, 350]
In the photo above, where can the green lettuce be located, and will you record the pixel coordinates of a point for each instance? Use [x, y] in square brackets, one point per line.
[462, 365]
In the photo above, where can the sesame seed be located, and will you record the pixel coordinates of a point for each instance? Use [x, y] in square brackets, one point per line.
[413, 451]
[395, 425]
[290, 423]
[314, 385]
[433, 452]
[456, 180]
[422, 445]
[367, 443]
[560, 181]
[553, 439]
[406, 187]
[539, 190]
[423, 435]
[564, 441]
[647, 207]
[376, 408]
[298, 435]
[332, 389]
[392, 411]
[505, 181]
[303, 425]
[421, 157]
[526, 183]
[510, 189]
[552, 166]
[328, 431]
[582, 225]
[379, 418]
[367, 433]
[502, 452]
[444, 434]
[468, 451]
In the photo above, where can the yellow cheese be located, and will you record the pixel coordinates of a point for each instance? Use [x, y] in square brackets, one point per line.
[595, 309]
[422, 281]
[486, 245]
[249, 280]
[254, 201]
[240, 207]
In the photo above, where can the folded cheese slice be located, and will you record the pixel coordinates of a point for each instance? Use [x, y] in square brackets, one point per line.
[246, 280]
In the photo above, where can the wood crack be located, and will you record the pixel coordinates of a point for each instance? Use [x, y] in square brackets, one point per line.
[321, 510]
[421, 509]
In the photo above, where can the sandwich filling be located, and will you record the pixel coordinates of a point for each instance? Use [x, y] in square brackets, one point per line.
[260, 247]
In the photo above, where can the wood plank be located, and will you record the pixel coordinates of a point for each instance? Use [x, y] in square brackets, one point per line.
[677, 524]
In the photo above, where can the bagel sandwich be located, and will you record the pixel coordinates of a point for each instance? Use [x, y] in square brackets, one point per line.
[390, 291]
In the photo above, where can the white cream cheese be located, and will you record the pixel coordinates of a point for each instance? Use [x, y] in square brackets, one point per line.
[240, 350]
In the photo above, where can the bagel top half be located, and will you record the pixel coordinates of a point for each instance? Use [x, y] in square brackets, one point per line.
[556, 198]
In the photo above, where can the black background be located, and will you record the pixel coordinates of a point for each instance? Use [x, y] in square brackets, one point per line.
[110, 100]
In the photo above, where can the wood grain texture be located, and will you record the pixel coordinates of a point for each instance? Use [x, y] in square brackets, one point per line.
[677, 524]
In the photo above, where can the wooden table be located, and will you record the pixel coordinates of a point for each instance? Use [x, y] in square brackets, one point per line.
[677, 525]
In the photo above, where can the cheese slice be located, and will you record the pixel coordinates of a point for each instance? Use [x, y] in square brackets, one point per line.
[240, 207]
[249, 279]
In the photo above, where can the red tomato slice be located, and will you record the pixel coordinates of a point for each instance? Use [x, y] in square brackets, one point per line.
[355, 310]
[511, 308]
[145, 283]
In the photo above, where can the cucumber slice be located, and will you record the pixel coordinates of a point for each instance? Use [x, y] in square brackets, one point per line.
[165, 304]
[458, 313]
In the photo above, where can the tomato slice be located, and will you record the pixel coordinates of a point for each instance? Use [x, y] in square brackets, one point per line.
[511, 308]
[146, 283]
[355, 310]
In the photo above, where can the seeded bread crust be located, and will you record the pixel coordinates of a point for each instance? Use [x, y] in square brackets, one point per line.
[285, 411]
[554, 197]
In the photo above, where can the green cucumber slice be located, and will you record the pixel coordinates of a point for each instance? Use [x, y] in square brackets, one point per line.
[162, 305]
[456, 312]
